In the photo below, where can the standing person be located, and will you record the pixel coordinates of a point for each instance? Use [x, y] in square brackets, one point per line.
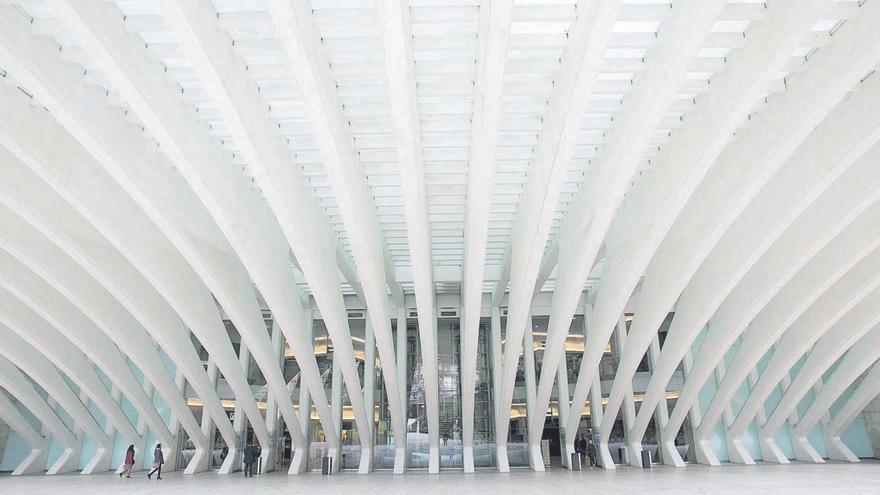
[158, 460]
[129, 462]
[583, 446]
[591, 453]
[249, 460]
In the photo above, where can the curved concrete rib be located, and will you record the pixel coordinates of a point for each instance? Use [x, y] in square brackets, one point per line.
[223, 272]
[131, 233]
[35, 461]
[824, 321]
[18, 386]
[42, 371]
[29, 325]
[821, 221]
[810, 188]
[580, 63]
[161, 265]
[854, 363]
[306, 66]
[45, 305]
[828, 217]
[734, 187]
[494, 32]
[145, 176]
[804, 280]
[27, 357]
[824, 354]
[697, 301]
[37, 253]
[582, 235]
[581, 240]
[744, 81]
[48, 214]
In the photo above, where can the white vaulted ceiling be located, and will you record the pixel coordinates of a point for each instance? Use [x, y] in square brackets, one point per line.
[709, 156]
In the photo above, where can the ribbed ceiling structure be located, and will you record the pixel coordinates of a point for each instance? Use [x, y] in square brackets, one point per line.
[168, 164]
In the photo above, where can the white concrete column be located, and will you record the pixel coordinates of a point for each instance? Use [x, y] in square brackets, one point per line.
[401, 355]
[563, 408]
[270, 453]
[501, 414]
[629, 411]
[336, 407]
[305, 400]
[208, 429]
[536, 460]
[366, 462]
[661, 414]
[240, 420]
[403, 382]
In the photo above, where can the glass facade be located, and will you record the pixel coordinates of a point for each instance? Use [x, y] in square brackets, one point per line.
[531, 361]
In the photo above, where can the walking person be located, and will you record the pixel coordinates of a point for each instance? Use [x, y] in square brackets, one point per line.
[128, 464]
[158, 460]
[249, 460]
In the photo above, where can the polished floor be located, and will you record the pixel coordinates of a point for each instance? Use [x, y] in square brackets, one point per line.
[837, 478]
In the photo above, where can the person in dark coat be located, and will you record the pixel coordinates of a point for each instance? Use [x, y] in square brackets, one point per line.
[128, 463]
[158, 460]
[583, 448]
[249, 456]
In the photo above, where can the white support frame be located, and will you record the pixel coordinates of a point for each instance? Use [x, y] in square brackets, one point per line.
[740, 86]
[35, 461]
[396, 35]
[15, 383]
[51, 324]
[593, 210]
[580, 67]
[43, 372]
[494, 32]
[856, 362]
[776, 120]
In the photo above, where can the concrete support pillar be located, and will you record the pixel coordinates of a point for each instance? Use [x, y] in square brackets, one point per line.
[536, 460]
[402, 383]
[208, 430]
[871, 413]
[305, 401]
[563, 408]
[336, 407]
[500, 414]
[661, 414]
[366, 462]
[629, 411]
[572, 435]
[240, 420]
[69, 460]
[273, 419]
[704, 452]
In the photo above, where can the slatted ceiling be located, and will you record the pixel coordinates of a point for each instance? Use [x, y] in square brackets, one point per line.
[445, 51]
